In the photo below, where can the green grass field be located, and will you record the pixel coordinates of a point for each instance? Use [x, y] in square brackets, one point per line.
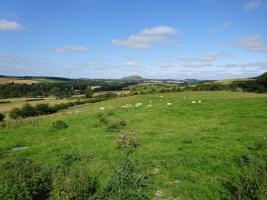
[187, 148]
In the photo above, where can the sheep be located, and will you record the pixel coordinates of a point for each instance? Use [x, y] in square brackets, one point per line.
[138, 105]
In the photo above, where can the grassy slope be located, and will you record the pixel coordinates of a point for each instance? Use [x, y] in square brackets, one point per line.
[225, 125]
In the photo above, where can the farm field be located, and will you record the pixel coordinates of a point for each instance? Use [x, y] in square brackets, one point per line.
[9, 104]
[17, 81]
[187, 148]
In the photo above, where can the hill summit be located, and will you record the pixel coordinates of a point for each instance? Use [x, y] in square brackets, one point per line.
[133, 78]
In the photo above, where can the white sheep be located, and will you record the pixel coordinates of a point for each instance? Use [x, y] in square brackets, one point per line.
[138, 105]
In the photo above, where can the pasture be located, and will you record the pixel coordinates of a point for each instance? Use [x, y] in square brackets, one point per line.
[187, 148]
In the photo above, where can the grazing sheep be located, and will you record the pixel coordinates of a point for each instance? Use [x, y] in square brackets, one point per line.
[193, 101]
[161, 96]
[168, 104]
[149, 105]
[102, 108]
[199, 101]
[138, 105]
[184, 97]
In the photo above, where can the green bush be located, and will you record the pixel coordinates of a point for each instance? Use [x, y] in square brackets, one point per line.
[59, 124]
[68, 159]
[88, 92]
[122, 122]
[21, 179]
[113, 126]
[128, 180]
[2, 117]
[28, 110]
[15, 113]
[72, 181]
[247, 184]
[43, 109]
[103, 120]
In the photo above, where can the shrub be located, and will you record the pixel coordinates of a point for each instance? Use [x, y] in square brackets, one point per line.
[21, 179]
[126, 141]
[128, 181]
[122, 122]
[4, 102]
[110, 113]
[68, 159]
[27, 110]
[113, 126]
[43, 109]
[2, 117]
[73, 183]
[59, 124]
[103, 120]
[88, 92]
[247, 184]
[15, 113]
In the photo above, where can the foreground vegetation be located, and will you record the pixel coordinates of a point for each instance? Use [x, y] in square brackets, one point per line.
[214, 148]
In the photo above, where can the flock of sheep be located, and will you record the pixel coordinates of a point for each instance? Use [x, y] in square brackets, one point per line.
[149, 105]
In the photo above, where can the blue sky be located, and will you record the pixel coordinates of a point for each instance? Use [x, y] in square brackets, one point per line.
[204, 39]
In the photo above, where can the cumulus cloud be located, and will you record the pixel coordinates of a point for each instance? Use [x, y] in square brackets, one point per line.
[261, 64]
[70, 49]
[148, 37]
[205, 58]
[6, 25]
[219, 27]
[252, 43]
[252, 5]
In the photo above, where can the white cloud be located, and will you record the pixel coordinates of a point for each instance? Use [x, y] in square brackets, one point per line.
[131, 64]
[167, 66]
[6, 25]
[252, 5]
[206, 58]
[251, 43]
[261, 64]
[219, 27]
[70, 49]
[8, 58]
[148, 37]
[193, 65]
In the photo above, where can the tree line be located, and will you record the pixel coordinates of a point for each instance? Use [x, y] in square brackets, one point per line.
[59, 89]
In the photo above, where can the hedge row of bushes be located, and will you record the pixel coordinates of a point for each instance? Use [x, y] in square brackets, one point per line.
[28, 110]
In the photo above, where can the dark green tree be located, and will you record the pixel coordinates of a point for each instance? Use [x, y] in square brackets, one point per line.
[88, 92]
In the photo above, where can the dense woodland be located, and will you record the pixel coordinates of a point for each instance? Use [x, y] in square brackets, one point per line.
[59, 89]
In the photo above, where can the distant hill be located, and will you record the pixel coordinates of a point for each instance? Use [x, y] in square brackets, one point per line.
[133, 78]
[191, 81]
